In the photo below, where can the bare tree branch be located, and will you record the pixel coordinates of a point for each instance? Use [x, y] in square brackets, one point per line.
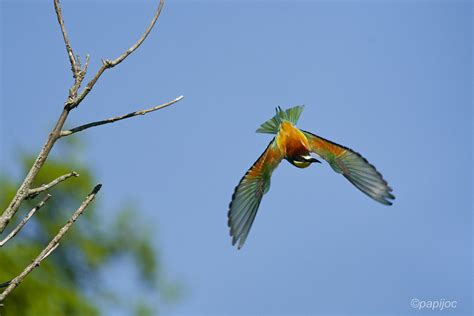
[25, 220]
[24, 189]
[72, 102]
[70, 53]
[118, 118]
[76, 67]
[23, 192]
[78, 78]
[119, 59]
[34, 192]
[49, 252]
[106, 64]
[53, 244]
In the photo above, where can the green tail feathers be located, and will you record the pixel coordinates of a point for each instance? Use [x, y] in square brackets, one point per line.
[272, 125]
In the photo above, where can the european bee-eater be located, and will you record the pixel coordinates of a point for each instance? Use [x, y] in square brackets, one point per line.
[295, 146]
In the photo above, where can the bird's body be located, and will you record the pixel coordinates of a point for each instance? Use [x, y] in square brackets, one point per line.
[295, 146]
[292, 141]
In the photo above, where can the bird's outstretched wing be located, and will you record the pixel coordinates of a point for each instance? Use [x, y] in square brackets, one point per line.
[249, 192]
[353, 167]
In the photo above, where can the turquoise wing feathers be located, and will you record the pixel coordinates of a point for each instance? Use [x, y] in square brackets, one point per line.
[353, 167]
[249, 192]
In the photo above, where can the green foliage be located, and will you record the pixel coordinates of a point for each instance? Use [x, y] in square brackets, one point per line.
[68, 281]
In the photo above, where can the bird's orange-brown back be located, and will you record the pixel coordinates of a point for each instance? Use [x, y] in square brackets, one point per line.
[291, 141]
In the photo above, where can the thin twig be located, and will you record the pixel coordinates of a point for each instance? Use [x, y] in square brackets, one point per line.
[25, 220]
[53, 244]
[76, 67]
[119, 59]
[70, 53]
[34, 192]
[106, 64]
[118, 118]
[49, 252]
[78, 78]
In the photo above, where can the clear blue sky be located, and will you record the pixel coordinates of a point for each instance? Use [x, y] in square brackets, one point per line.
[391, 80]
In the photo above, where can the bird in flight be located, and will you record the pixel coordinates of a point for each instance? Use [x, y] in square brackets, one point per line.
[296, 146]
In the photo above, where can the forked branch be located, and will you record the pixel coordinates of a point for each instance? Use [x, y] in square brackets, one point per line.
[53, 244]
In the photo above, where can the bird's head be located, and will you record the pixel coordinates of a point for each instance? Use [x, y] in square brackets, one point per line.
[302, 161]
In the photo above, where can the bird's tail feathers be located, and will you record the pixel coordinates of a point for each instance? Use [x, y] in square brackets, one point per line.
[290, 115]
